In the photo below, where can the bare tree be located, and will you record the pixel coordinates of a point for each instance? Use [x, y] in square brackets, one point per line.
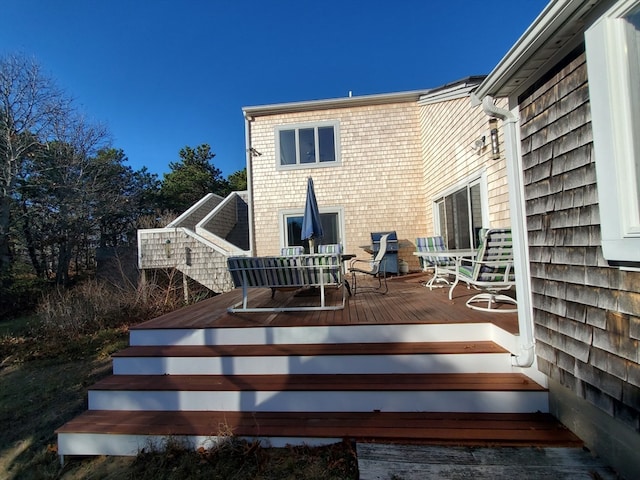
[66, 182]
[30, 106]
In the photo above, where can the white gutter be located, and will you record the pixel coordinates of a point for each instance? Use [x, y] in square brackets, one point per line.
[248, 153]
[362, 100]
[510, 123]
[314, 105]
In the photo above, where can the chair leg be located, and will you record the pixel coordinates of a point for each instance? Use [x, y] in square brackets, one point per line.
[492, 300]
[355, 289]
[384, 277]
[437, 277]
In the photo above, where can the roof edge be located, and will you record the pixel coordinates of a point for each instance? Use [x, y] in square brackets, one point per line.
[326, 104]
[363, 100]
[554, 16]
[452, 91]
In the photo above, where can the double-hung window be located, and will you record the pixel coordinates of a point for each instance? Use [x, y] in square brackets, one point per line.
[307, 145]
[459, 215]
[613, 65]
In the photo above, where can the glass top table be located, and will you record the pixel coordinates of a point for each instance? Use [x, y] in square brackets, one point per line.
[457, 255]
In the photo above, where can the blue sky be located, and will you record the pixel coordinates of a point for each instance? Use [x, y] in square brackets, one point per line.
[162, 74]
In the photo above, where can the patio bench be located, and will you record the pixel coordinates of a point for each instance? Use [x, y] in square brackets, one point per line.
[300, 271]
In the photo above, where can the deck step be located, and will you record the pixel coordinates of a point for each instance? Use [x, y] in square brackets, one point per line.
[311, 349]
[342, 382]
[131, 429]
[347, 358]
[480, 392]
[261, 334]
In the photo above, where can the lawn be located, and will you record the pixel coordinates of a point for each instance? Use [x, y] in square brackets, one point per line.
[44, 383]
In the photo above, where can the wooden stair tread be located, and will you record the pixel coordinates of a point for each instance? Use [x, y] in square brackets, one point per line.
[530, 429]
[323, 382]
[316, 349]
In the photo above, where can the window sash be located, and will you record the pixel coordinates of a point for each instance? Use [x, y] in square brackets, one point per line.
[613, 64]
[460, 216]
[307, 145]
[293, 229]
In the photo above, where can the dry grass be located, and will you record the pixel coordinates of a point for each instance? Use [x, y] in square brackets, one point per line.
[48, 362]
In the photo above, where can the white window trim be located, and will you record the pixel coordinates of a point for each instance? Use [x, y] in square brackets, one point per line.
[615, 118]
[295, 126]
[283, 214]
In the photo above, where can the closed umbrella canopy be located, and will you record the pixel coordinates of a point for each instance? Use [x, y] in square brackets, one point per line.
[311, 225]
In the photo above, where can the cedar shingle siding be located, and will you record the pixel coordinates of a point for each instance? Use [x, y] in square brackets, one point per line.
[587, 314]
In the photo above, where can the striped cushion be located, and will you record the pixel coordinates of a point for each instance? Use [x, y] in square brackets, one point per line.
[291, 251]
[432, 244]
[330, 272]
[247, 271]
[334, 248]
[284, 271]
[496, 246]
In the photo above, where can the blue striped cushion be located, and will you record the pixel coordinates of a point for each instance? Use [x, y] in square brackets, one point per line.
[249, 268]
[291, 251]
[334, 248]
[432, 244]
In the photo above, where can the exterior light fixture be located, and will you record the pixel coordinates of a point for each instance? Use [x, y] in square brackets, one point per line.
[495, 144]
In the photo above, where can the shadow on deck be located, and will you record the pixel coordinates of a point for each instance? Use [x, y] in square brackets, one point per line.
[407, 302]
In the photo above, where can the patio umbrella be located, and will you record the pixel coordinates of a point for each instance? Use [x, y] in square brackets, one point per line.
[311, 225]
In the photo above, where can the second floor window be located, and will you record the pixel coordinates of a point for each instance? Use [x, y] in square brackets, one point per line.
[307, 145]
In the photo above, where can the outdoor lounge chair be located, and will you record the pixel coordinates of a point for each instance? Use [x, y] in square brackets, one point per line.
[375, 269]
[443, 267]
[491, 271]
[293, 272]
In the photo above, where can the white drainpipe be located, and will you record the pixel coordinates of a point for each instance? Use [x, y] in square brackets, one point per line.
[526, 356]
[247, 142]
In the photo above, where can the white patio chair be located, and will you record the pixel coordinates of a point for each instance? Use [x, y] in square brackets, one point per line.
[491, 271]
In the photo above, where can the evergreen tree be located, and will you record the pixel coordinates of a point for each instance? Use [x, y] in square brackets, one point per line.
[191, 178]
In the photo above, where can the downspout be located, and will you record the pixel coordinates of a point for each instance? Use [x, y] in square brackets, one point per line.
[248, 153]
[526, 356]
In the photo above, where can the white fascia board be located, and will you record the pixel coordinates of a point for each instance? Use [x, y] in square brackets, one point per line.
[445, 95]
[458, 87]
[556, 15]
[326, 104]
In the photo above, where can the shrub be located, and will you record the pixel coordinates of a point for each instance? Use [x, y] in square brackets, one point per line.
[20, 295]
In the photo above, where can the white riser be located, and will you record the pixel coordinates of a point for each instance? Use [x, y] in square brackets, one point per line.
[365, 364]
[322, 401]
[131, 445]
[474, 332]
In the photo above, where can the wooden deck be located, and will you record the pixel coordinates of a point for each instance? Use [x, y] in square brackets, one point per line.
[382, 384]
[407, 302]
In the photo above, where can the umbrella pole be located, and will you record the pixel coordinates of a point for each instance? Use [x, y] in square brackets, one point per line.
[311, 242]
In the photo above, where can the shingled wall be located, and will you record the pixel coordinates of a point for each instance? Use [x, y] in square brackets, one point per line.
[586, 314]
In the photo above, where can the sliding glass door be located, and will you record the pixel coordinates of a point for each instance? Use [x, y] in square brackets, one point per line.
[459, 216]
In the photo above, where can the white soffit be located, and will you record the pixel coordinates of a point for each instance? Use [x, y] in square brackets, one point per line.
[559, 25]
